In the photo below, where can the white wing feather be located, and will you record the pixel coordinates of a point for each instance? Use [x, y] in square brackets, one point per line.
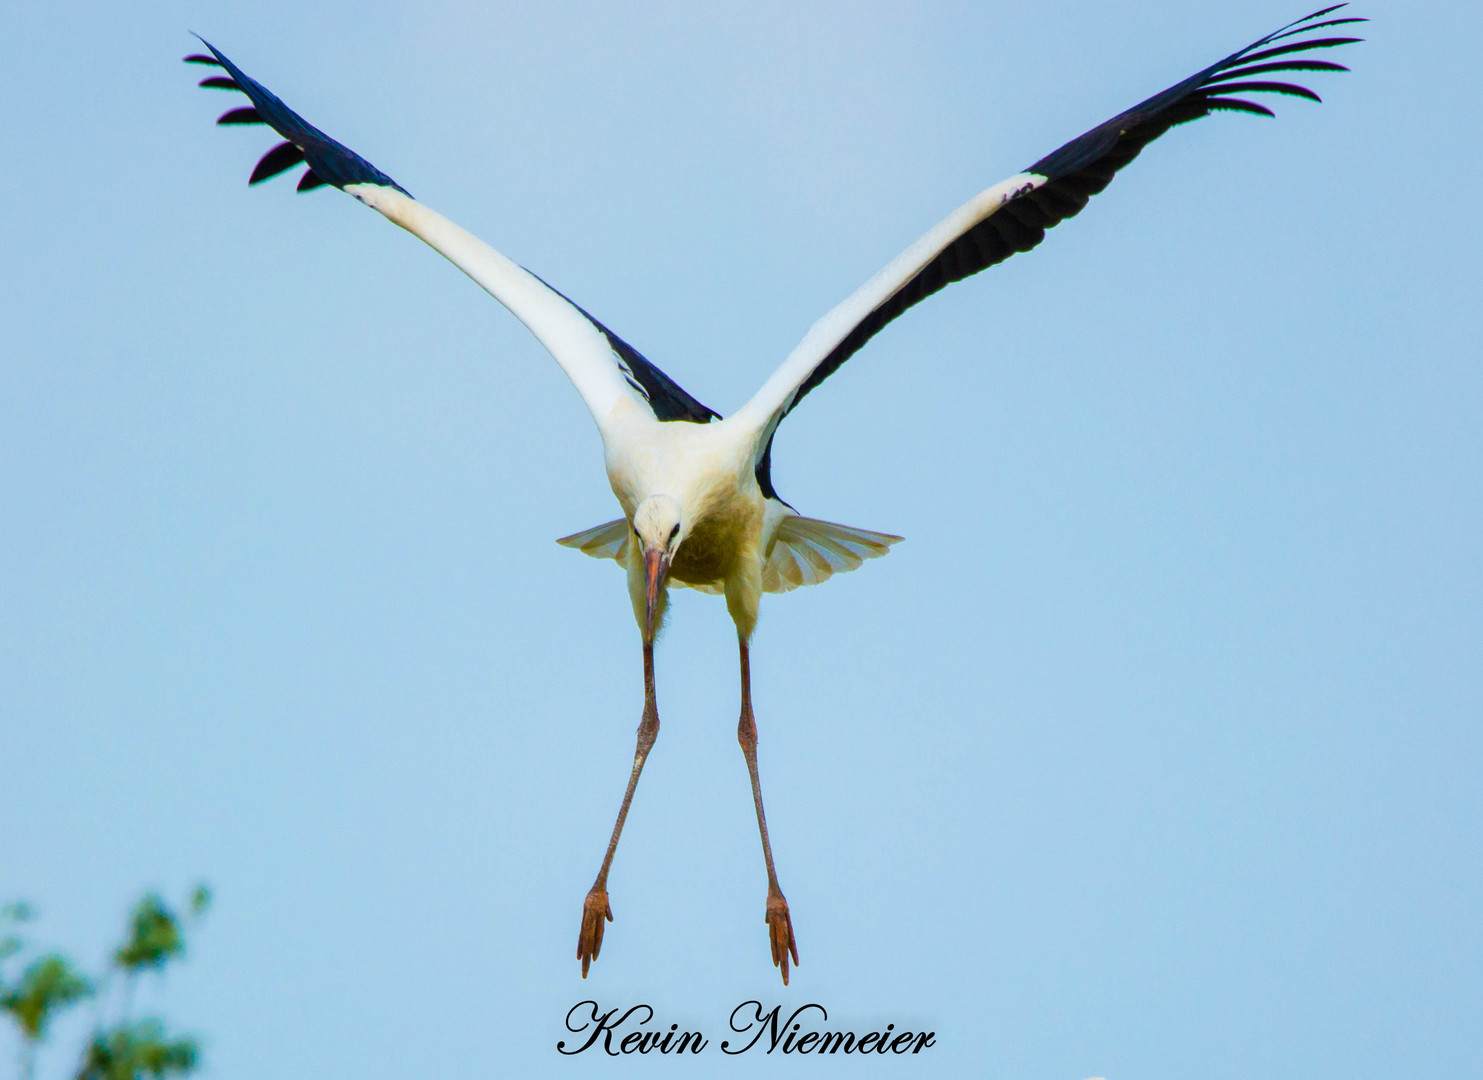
[578, 346]
[777, 394]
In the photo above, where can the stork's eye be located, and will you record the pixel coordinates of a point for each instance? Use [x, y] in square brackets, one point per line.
[674, 533]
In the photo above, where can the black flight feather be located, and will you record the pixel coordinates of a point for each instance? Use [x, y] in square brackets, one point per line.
[666, 398]
[1085, 166]
[283, 156]
[329, 160]
[1285, 65]
[248, 115]
[1237, 105]
[1266, 88]
[335, 164]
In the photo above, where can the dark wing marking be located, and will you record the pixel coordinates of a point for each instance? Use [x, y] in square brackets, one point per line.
[666, 398]
[248, 115]
[763, 472]
[282, 157]
[309, 181]
[1083, 167]
[332, 163]
[329, 161]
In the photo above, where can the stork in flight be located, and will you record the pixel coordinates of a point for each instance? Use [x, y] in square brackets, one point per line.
[699, 507]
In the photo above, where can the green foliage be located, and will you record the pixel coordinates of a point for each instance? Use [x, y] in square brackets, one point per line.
[11, 943]
[49, 985]
[154, 937]
[200, 899]
[131, 1051]
[124, 1049]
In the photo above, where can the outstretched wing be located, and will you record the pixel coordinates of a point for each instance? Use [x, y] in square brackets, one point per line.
[1012, 216]
[605, 369]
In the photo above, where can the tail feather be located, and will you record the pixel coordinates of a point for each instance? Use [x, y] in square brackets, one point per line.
[804, 551]
[606, 541]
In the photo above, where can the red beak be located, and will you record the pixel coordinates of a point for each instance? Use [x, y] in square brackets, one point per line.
[656, 566]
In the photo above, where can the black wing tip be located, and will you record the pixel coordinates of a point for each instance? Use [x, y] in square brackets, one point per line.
[331, 163]
[1263, 87]
[1330, 11]
[1318, 14]
[282, 157]
[1081, 168]
[248, 115]
[1220, 104]
[1204, 93]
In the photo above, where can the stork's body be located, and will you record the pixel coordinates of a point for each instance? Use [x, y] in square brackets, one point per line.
[697, 516]
[699, 507]
[709, 471]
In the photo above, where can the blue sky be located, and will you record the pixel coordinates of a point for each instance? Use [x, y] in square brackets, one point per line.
[1153, 752]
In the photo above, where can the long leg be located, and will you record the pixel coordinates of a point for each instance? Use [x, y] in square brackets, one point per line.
[779, 921]
[596, 908]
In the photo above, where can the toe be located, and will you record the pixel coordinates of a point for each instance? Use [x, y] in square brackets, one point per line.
[780, 935]
[596, 911]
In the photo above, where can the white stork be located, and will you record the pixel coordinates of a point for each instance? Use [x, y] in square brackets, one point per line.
[699, 507]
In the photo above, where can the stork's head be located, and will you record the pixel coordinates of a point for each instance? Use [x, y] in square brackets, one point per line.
[659, 526]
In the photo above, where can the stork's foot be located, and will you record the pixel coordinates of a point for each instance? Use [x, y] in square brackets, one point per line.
[780, 932]
[595, 910]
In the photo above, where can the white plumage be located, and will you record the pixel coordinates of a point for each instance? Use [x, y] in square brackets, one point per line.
[796, 550]
[699, 508]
